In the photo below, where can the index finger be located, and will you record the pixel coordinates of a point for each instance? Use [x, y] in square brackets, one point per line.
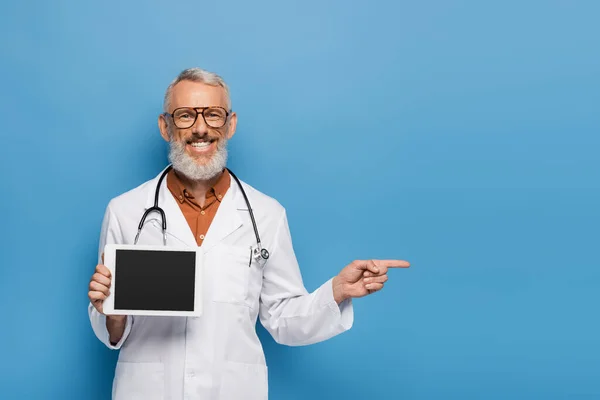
[101, 269]
[392, 263]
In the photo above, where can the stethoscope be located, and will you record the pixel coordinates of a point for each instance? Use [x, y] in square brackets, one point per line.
[258, 252]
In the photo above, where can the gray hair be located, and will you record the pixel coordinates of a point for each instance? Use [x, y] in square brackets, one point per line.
[201, 76]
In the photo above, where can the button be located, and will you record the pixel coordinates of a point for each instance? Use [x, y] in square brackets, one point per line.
[180, 198]
[202, 212]
[201, 237]
[191, 374]
[220, 196]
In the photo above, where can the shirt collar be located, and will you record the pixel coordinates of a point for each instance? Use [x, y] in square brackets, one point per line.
[177, 188]
[222, 185]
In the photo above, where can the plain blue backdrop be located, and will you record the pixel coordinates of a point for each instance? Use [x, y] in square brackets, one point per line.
[462, 136]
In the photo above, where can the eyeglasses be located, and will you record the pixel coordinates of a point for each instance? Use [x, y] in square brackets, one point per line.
[185, 117]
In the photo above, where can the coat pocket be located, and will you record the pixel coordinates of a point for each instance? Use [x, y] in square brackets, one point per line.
[229, 267]
[139, 381]
[244, 381]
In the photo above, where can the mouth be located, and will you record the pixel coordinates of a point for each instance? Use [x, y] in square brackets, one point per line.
[201, 146]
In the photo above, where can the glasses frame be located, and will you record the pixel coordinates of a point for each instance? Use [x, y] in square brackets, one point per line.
[199, 111]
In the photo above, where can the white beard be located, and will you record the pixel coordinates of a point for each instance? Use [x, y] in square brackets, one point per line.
[187, 165]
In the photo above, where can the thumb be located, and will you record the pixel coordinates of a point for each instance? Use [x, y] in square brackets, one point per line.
[366, 265]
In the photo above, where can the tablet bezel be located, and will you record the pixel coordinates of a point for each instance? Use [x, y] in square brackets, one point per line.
[110, 251]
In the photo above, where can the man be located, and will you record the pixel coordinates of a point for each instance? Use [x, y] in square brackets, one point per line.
[218, 355]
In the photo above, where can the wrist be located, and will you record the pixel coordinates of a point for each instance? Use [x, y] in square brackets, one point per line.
[116, 319]
[339, 294]
[115, 324]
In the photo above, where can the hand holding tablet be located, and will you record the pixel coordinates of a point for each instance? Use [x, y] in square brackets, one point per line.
[148, 280]
[99, 288]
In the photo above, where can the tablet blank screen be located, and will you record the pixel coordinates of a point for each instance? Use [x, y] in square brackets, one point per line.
[155, 280]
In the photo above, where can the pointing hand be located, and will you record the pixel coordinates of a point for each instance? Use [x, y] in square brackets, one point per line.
[363, 277]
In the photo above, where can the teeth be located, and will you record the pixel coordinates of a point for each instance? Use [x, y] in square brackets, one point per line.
[200, 145]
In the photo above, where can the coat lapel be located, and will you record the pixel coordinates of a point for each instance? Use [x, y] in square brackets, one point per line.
[227, 220]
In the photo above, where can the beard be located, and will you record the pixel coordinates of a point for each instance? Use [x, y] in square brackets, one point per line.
[188, 166]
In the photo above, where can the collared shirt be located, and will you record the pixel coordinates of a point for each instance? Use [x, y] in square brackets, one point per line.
[198, 218]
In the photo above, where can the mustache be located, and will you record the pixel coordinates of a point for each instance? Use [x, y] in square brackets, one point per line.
[195, 137]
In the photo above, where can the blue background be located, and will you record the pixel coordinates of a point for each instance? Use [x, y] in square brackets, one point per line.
[460, 135]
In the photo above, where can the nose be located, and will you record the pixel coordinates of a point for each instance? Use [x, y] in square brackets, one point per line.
[199, 126]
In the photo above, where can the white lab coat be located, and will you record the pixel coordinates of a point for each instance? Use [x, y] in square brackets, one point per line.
[218, 355]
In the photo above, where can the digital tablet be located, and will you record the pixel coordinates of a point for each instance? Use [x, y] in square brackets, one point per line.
[153, 280]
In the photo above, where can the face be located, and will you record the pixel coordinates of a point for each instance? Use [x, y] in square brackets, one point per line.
[200, 151]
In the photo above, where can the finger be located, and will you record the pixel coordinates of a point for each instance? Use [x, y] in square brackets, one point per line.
[101, 269]
[101, 279]
[385, 264]
[377, 279]
[95, 296]
[98, 287]
[367, 265]
[373, 287]
[367, 274]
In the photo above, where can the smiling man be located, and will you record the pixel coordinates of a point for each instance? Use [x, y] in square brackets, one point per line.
[219, 355]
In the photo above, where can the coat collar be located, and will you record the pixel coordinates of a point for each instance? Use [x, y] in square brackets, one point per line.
[226, 221]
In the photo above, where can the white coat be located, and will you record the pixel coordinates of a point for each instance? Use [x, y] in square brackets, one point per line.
[218, 355]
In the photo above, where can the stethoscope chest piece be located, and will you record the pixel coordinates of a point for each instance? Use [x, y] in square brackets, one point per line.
[260, 254]
[264, 254]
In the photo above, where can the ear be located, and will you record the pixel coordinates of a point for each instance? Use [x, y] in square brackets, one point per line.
[164, 127]
[232, 125]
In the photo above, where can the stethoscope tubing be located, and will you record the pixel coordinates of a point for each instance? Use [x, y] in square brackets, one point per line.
[155, 208]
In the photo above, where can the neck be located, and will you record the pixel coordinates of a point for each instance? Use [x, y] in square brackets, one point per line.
[198, 187]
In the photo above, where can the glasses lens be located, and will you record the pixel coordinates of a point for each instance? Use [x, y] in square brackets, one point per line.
[215, 116]
[184, 117]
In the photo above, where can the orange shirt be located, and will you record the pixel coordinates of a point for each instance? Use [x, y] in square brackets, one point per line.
[198, 218]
